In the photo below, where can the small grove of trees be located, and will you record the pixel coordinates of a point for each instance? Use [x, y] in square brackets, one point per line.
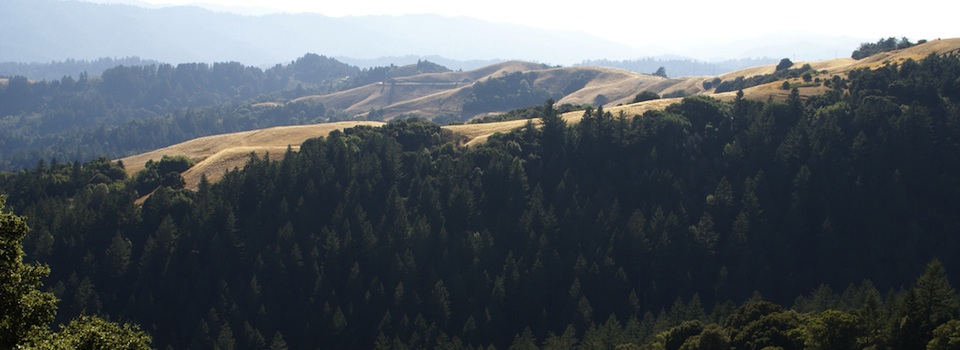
[646, 96]
[166, 172]
[527, 113]
[882, 45]
[25, 311]
[661, 72]
[782, 71]
[784, 64]
[511, 90]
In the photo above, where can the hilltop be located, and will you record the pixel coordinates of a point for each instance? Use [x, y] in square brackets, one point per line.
[437, 93]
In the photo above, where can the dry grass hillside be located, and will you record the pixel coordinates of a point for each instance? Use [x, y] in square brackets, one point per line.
[426, 94]
[840, 67]
[214, 155]
[444, 93]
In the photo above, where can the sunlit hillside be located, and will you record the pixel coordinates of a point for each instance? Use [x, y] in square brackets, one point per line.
[438, 93]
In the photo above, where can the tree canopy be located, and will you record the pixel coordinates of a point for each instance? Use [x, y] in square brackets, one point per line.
[26, 310]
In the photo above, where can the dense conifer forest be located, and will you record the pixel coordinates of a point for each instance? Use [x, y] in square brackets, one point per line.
[828, 222]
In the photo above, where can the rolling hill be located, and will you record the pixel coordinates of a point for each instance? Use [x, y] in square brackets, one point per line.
[434, 94]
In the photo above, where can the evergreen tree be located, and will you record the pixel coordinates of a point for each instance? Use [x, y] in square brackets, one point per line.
[25, 309]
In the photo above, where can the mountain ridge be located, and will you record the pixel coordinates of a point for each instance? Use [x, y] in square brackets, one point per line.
[213, 164]
[193, 34]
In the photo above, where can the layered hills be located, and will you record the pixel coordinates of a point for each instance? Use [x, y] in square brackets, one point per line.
[192, 34]
[434, 95]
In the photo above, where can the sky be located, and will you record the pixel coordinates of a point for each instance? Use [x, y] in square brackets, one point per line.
[668, 24]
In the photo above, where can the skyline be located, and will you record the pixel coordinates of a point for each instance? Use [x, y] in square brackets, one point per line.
[643, 25]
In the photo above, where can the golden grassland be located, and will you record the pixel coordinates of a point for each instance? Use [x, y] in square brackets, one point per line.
[214, 155]
[442, 92]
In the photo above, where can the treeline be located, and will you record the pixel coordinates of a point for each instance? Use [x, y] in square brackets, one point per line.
[386, 73]
[922, 316]
[127, 92]
[533, 112]
[395, 237]
[131, 109]
[146, 134]
[69, 68]
[883, 45]
[510, 91]
[783, 71]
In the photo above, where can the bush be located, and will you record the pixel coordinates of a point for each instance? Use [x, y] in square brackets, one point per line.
[784, 64]
[647, 96]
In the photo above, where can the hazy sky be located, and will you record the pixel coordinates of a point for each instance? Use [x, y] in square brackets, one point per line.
[664, 23]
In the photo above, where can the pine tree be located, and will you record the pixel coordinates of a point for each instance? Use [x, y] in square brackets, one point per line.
[930, 303]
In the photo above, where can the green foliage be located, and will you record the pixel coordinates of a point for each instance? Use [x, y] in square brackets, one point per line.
[527, 113]
[833, 329]
[176, 164]
[167, 172]
[679, 334]
[509, 91]
[930, 303]
[87, 332]
[707, 85]
[645, 96]
[24, 309]
[414, 134]
[385, 74]
[883, 45]
[675, 94]
[783, 71]
[784, 64]
[946, 336]
[777, 330]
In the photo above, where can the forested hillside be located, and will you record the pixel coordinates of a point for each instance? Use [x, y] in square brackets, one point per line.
[72, 68]
[132, 109]
[803, 223]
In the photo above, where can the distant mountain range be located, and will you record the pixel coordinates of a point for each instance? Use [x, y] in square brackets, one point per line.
[47, 30]
[58, 30]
